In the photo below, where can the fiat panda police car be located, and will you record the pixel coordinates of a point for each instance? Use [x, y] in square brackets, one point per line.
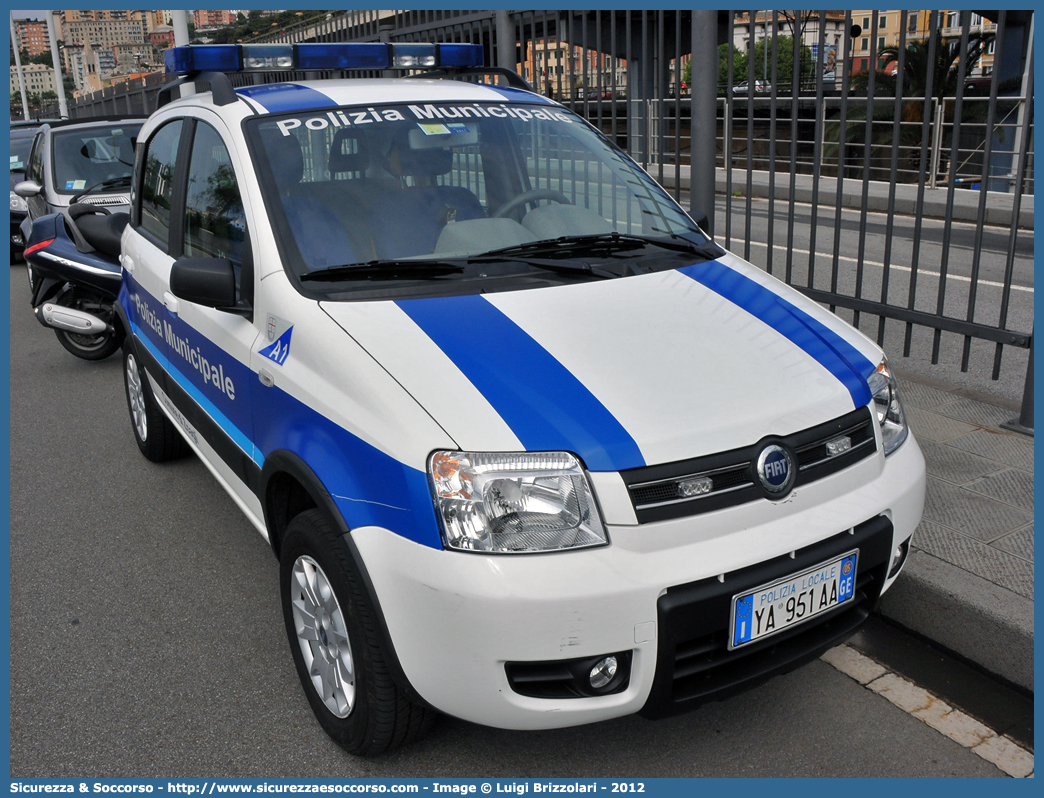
[532, 450]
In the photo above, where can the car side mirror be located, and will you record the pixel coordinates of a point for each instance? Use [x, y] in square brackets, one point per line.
[205, 281]
[27, 188]
[702, 222]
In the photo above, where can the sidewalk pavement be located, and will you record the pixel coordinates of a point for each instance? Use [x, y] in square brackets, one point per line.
[968, 583]
[999, 206]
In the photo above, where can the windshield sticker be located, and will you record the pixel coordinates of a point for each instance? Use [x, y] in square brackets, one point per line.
[75, 185]
[430, 112]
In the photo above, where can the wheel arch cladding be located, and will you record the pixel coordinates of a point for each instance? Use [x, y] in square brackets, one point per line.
[290, 487]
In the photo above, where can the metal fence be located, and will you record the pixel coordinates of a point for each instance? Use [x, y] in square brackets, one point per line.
[926, 133]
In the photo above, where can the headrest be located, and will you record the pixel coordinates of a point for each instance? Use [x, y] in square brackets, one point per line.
[348, 153]
[284, 156]
[404, 161]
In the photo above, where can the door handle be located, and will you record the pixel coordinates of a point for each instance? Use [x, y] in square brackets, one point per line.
[170, 302]
[128, 263]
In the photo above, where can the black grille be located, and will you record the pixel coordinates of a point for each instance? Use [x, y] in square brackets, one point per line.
[694, 665]
[656, 490]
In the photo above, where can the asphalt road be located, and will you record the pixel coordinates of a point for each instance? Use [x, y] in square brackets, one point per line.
[147, 638]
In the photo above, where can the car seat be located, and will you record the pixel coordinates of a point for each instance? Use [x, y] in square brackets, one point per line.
[319, 235]
[425, 207]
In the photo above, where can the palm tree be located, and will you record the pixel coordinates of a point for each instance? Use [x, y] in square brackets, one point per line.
[916, 68]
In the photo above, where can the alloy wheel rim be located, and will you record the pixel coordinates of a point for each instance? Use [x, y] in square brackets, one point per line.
[136, 394]
[322, 636]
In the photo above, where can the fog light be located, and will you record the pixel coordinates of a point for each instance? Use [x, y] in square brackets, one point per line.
[898, 558]
[603, 672]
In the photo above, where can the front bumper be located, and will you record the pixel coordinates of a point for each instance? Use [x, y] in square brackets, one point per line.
[17, 239]
[660, 590]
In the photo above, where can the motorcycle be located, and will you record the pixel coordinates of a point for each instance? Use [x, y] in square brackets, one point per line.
[73, 261]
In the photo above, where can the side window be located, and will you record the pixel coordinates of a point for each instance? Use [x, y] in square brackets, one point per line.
[157, 185]
[215, 225]
[35, 168]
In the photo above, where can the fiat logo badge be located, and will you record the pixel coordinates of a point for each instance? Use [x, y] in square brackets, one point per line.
[775, 469]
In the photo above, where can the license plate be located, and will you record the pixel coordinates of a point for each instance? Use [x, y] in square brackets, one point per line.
[793, 600]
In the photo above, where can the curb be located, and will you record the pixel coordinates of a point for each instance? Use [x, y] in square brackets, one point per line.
[964, 613]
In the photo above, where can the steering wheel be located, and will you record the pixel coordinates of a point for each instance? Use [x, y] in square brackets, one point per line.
[531, 196]
[76, 210]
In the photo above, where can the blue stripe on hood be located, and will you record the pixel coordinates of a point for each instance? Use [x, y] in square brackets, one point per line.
[279, 98]
[828, 348]
[542, 402]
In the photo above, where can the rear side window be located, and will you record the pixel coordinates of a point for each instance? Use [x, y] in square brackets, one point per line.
[215, 225]
[157, 186]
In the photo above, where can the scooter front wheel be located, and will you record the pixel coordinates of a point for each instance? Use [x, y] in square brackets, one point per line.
[89, 347]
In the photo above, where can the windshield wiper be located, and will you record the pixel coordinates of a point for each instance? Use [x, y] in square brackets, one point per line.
[566, 245]
[112, 182]
[384, 270]
[560, 266]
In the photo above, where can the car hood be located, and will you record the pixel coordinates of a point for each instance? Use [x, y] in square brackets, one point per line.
[624, 372]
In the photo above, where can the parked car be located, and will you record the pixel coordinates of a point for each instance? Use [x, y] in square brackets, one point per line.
[532, 449]
[72, 156]
[760, 87]
[21, 143]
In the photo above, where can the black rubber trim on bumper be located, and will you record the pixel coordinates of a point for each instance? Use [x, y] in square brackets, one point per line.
[693, 663]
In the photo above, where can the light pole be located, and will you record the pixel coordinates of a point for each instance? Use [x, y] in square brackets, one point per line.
[63, 106]
[16, 46]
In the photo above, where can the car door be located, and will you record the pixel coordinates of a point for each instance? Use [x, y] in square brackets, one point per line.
[204, 352]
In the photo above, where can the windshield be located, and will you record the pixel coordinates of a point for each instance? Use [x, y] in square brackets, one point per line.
[85, 157]
[20, 152]
[447, 180]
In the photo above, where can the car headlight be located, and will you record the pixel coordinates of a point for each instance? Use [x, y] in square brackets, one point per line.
[515, 502]
[18, 203]
[889, 410]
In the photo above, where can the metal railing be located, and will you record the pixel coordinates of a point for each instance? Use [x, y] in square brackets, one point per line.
[947, 142]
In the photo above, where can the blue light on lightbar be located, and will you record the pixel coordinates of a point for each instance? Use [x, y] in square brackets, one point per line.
[202, 58]
[460, 55]
[357, 55]
[343, 56]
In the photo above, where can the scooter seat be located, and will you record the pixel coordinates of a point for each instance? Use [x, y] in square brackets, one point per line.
[103, 232]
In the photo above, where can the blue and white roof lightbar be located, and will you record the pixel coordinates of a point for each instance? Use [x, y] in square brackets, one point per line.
[194, 58]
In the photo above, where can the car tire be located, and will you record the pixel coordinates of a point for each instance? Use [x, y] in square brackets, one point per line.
[157, 437]
[333, 634]
[89, 347]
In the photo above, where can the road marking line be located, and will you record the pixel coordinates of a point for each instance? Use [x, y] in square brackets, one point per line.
[894, 267]
[964, 730]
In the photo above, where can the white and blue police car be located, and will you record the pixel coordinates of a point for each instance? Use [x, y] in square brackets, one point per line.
[532, 450]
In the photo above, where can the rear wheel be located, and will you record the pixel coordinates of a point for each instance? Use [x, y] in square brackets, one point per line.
[89, 347]
[333, 635]
[156, 436]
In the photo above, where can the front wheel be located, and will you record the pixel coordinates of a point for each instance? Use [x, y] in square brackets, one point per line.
[157, 437]
[333, 635]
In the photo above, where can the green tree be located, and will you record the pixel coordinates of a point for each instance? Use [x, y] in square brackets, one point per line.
[916, 67]
[784, 61]
[913, 85]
